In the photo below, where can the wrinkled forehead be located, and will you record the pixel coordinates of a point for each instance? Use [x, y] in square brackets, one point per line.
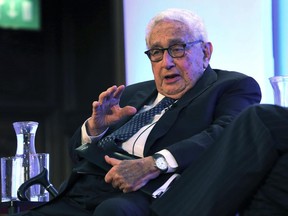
[167, 31]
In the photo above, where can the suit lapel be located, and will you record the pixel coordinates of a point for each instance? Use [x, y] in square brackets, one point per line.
[138, 100]
[142, 97]
[169, 118]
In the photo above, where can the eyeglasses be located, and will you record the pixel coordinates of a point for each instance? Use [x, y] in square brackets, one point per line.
[175, 51]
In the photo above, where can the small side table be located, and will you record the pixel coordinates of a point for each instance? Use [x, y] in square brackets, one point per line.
[12, 207]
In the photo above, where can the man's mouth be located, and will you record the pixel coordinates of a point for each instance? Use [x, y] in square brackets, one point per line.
[171, 76]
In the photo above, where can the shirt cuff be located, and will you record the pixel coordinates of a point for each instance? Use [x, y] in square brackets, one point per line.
[172, 163]
[85, 138]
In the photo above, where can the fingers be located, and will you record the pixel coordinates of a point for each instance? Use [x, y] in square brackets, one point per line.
[116, 175]
[119, 91]
[125, 175]
[106, 111]
[111, 95]
[111, 161]
[95, 105]
[128, 110]
[118, 181]
[109, 99]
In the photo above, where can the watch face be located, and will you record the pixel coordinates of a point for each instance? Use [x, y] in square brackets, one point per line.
[161, 163]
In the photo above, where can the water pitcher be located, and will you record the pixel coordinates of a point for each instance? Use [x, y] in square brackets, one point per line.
[16, 170]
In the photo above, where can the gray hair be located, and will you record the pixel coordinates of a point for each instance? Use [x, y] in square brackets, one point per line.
[191, 20]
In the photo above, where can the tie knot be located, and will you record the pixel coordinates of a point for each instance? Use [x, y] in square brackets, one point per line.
[166, 102]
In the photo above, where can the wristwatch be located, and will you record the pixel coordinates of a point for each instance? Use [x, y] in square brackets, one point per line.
[160, 162]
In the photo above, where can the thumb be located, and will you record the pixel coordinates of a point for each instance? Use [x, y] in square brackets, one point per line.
[129, 110]
[112, 161]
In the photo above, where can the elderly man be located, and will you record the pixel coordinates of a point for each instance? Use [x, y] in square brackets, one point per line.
[122, 165]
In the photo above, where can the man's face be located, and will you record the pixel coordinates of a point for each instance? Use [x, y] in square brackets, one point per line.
[175, 76]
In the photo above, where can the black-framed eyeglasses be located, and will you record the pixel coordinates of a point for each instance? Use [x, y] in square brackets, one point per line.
[175, 51]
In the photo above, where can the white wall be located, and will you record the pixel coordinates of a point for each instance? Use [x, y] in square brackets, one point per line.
[241, 32]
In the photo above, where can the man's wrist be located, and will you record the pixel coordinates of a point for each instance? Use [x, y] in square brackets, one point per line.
[160, 162]
[94, 131]
[86, 137]
[172, 163]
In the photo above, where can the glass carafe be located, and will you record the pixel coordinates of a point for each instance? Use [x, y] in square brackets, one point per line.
[17, 171]
[280, 90]
[28, 165]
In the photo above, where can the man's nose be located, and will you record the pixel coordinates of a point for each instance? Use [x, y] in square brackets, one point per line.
[167, 58]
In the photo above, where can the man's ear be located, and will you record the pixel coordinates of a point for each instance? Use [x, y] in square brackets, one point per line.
[207, 51]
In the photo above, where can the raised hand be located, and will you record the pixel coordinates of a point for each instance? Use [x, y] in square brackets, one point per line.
[106, 111]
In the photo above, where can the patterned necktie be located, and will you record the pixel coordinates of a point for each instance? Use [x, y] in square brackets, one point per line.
[138, 121]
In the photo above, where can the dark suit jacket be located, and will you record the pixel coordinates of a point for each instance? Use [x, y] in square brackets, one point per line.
[191, 125]
[245, 170]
